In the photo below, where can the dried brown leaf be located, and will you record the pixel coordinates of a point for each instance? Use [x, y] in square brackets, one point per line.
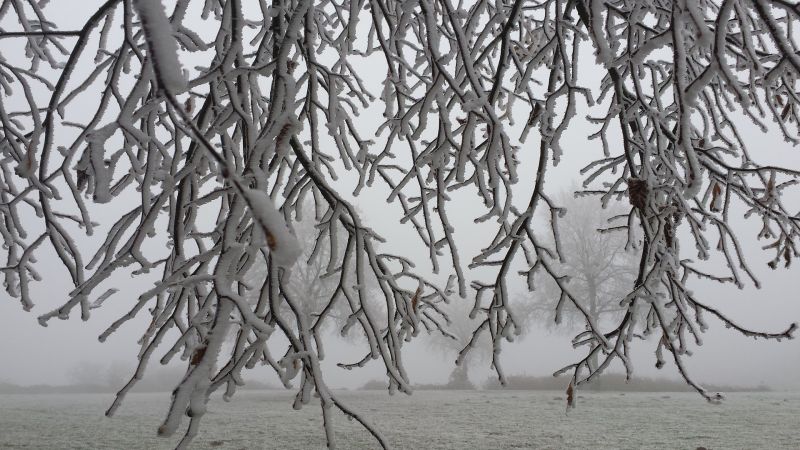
[716, 191]
[415, 299]
[570, 396]
[197, 356]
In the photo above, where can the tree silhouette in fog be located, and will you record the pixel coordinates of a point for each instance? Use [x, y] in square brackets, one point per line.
[599, 265]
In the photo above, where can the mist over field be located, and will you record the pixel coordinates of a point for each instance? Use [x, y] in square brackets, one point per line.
[433, 420]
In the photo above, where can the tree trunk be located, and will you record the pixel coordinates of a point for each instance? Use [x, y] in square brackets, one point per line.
[459, 378]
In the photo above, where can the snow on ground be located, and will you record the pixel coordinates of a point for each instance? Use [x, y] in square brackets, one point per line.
[426, 420]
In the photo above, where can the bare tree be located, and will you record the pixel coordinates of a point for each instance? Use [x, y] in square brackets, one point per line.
[599, 265]
[312, 283]
[450, 343]
[220, 155]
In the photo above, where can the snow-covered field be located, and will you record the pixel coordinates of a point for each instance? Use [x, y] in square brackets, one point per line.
[426, 420]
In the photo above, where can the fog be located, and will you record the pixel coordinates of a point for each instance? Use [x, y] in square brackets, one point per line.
[31, 354]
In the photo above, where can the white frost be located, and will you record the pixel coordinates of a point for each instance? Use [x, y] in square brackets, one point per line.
[162, 44]
[282, 244]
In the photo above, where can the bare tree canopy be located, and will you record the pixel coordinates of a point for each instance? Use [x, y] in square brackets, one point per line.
[599, 265]
[208, 125]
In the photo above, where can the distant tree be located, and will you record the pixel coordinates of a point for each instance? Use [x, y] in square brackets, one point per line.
[207, 165]
[314, 285]
[458, 336]
[307, 285]
[86, 373]
[117, 373]
[599, 264]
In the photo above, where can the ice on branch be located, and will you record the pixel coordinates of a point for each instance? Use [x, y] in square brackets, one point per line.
[282, 243]
[162, 45]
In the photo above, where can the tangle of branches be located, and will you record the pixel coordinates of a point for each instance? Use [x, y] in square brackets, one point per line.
[210, 124]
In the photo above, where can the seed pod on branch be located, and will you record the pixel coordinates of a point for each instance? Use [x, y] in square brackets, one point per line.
[638, 192]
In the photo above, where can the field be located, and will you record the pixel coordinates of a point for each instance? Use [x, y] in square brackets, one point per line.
[426, 420]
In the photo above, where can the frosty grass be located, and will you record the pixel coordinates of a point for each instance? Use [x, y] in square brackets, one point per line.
[426, 420]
